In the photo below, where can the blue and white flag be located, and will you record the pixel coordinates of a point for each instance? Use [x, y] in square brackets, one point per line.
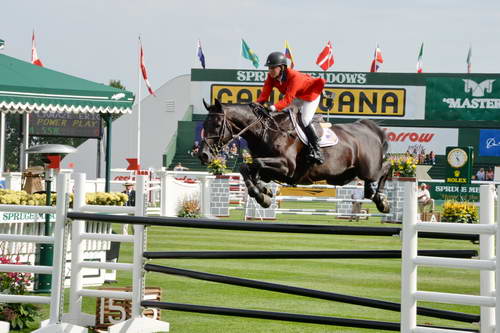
[2, 44]
[201, 56]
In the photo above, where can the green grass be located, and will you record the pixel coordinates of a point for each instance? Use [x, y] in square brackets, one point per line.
[379, 278]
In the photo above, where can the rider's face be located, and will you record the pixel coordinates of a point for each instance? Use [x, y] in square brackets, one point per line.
[274, 71]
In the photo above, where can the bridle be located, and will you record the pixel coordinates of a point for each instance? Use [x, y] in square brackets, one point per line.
[226, 123]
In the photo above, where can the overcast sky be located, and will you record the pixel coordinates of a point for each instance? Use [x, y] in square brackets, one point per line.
[97, 39]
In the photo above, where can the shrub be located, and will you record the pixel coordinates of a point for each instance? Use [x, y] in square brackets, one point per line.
[10, 197]
[190, 208]
[19, 315]
[460, 212]
[402, 165]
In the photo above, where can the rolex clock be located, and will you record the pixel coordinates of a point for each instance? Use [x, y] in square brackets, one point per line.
[459, 164]
[457, 157]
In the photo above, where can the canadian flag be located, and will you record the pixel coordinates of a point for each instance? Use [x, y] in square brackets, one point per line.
[145, 73]
[325, 58]
[377, 60]
[34, 55]
[420, 61]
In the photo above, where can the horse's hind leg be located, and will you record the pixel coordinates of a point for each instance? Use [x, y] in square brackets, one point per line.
[380, 198]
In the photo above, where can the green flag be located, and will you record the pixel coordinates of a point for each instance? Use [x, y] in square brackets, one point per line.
[2, 44]
[247, 53]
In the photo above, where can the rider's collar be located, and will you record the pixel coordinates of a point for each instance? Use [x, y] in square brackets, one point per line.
[282, 77]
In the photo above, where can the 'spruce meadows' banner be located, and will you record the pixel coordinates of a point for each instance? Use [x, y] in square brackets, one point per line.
[489, 142]
[420, 140]
[365, 101]
[464, 98]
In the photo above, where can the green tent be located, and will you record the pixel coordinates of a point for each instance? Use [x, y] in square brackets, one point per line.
[26, 88]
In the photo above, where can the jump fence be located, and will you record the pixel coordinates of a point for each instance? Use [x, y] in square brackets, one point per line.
[75, 320]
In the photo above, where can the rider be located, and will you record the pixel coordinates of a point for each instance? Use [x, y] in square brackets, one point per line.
[301, 89]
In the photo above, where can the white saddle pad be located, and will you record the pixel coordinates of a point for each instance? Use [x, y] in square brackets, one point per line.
[327, 139]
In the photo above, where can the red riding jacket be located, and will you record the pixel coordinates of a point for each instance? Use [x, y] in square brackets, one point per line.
[294, 85]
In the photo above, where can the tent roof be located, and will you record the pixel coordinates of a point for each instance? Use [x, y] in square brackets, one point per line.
[25, 87]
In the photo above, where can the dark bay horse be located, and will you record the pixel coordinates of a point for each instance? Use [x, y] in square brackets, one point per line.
[279, 155]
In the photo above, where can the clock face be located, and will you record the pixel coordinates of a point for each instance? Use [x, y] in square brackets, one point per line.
[457, 158]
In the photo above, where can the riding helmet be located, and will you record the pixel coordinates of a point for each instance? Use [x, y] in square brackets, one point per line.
[276, 59]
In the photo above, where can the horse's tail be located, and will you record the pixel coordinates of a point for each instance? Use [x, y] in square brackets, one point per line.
[383, 138]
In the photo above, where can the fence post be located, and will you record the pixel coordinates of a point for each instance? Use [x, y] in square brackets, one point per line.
[487, 252]
[408, 254]
[139, 247]
[497, 271]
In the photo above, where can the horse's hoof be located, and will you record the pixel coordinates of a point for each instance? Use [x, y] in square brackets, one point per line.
[264, 200]
[268, 191]
[383, 206]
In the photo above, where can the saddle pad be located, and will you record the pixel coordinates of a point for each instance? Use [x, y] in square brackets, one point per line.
[328, 137]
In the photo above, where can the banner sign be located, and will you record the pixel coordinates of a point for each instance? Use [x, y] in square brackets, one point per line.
[83, 125]
[418, 140]
[463, 98]
[489, 142]
[441, 191]
[348, 101]
[15, 217]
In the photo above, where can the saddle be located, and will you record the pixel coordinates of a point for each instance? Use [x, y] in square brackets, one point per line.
[326, 136]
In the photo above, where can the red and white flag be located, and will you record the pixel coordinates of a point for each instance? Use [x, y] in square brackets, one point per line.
[34, 55]
[420, 61]
[325, 58]
[145, 73]
[377, 60]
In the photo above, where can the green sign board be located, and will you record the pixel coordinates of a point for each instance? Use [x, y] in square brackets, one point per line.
[470, 97]
[459, 164]
[442, 191]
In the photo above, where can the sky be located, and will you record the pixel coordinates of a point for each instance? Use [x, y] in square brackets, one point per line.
[98, 39]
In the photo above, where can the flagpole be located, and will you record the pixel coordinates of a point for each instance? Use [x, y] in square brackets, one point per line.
[139, 107]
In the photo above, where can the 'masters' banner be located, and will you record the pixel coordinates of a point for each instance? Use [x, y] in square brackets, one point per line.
[471, 97]
[386, 102]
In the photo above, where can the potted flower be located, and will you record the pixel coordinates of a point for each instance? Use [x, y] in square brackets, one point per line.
[217, 166]
[402, 165]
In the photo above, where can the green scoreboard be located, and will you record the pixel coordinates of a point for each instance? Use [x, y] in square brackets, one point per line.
[459, 164]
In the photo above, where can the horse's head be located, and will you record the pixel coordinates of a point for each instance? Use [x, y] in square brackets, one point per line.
[216, 132]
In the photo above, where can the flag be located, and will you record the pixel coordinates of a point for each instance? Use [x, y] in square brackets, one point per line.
[469, 60]
[200, 54]
[247, 53]
[34, 55]
[377, 60]
[420, 61]
[325, 58]
[288, 54]
[144, 72]
[2, 44]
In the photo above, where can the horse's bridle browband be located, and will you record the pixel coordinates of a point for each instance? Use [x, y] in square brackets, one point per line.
[217, 147]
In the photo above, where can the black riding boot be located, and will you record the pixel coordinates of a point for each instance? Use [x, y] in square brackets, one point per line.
[312, 137]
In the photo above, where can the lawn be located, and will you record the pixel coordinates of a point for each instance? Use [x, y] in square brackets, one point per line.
[376, 278]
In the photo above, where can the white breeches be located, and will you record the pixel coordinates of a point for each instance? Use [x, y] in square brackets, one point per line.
[307, 109]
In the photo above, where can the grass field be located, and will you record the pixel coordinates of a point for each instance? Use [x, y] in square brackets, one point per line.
[377, 278]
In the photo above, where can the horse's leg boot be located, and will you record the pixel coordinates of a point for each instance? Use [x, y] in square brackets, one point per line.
[312, 137]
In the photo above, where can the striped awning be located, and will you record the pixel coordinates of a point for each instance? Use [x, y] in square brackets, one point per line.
[25, 87]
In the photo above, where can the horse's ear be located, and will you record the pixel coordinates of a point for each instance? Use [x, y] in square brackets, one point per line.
[206, 105]
[218, 106]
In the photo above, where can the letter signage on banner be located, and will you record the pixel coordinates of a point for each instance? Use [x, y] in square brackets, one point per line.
[467, 98]
[420, 140]
[348, 101]
[489, 142]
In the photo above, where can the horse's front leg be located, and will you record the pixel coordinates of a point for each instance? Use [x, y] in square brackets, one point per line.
[270, 168]
[249, 177]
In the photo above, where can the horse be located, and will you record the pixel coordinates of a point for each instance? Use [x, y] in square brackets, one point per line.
[279, 155]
